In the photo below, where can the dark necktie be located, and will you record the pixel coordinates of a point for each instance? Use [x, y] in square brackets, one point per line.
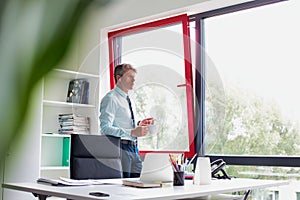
[131, 111]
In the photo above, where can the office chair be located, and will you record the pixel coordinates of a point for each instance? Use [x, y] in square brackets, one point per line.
[95, 157]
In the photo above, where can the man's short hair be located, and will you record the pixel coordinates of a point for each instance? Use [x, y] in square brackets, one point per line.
[121, 69]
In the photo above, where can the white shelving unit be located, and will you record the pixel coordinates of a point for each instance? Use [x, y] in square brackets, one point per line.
[55, 88]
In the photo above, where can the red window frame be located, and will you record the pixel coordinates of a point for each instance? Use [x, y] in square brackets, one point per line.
[184, 20]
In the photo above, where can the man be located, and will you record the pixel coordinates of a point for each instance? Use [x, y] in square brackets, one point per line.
[117, 119]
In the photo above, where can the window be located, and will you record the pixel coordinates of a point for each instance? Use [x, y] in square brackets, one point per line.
[247, 88]
[249, 66]
[253, 96]
[163, 88]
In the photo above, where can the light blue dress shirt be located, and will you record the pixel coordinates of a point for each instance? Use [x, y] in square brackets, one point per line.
[115, 116]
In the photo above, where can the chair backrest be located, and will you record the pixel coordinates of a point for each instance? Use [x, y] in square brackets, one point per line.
[95, 157]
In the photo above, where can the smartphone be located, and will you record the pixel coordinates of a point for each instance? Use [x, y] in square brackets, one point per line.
[99, 194]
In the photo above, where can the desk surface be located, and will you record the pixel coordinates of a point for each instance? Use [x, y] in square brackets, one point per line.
[118, 191]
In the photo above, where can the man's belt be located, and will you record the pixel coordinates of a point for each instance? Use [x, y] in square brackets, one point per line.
[128, 142]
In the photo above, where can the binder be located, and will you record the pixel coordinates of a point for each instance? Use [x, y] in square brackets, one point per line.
[66, 152]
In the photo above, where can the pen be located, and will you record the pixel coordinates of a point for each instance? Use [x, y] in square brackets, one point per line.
[182, 158]
[174, 164]
[191, 160]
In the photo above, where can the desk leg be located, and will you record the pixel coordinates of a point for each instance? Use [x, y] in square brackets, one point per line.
[41, 196]
[246, 194]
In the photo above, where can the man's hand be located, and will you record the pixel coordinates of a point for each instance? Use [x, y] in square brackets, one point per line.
[139, 131]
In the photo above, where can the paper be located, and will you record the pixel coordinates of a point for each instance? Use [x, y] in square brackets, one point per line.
[69, 182]
[86, 182]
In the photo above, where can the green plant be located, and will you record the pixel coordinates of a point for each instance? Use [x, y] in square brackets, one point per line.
[34, 37]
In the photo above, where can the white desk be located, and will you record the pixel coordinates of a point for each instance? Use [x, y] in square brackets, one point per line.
[118, 191]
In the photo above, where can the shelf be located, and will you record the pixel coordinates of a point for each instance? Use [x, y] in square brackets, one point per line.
[54, 159]
[66, 104]
[76, 74]
[55, 135]
[52, 168]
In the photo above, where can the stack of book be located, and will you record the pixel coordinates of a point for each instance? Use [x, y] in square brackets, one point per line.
[73, 124]
[78, 91]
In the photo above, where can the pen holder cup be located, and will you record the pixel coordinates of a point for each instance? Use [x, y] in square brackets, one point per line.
[178, 179]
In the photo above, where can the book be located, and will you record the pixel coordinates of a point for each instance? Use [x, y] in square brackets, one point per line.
[78, 91]
[141, 184]
[72, 123]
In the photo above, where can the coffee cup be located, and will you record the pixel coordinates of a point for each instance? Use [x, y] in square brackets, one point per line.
[152, 128]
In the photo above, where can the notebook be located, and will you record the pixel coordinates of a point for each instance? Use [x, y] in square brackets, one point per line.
[156, 170]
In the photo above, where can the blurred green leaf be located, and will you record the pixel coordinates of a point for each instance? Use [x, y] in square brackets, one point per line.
[34, 37]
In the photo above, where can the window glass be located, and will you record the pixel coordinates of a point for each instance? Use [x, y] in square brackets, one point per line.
[252, 81]
[160, 67]
[160, 89]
